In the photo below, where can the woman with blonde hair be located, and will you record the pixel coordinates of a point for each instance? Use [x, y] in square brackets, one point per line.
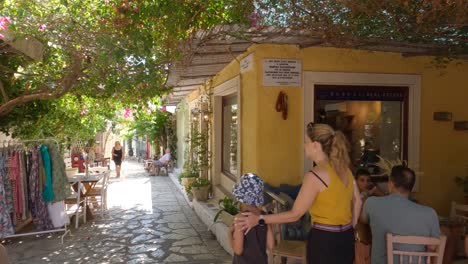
[330, 195]
[118, 157]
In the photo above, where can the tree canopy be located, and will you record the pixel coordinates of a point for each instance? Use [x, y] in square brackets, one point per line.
[104, 51]
[438, 26]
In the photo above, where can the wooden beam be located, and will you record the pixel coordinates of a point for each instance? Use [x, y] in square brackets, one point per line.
[185, 88]
[207, 59]
[222, 48]
[201, 70]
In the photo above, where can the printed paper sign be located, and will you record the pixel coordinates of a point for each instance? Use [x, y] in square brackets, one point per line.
[282, 72]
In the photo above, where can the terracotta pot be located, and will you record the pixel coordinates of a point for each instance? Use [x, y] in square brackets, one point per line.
[187, 181]
[201, 193]
[226, 218]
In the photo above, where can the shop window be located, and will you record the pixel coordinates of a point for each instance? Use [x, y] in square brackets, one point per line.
[374, 120]
[229, 136]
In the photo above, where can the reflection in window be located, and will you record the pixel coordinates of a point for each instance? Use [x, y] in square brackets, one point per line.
[230, 126]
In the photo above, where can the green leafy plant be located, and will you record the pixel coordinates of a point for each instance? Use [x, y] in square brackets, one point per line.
[227, 205]
[462, 182]
[199, 182]
[187, 174]
[387, 165]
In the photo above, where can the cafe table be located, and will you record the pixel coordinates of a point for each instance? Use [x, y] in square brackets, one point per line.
[87, 182]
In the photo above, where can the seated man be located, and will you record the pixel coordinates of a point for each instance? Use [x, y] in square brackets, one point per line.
[163, 161]
[398, 215]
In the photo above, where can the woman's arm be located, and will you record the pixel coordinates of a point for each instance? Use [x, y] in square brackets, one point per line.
[305, 199]
[123, 153]
[236, 239]
[270, 238]
[357, 204]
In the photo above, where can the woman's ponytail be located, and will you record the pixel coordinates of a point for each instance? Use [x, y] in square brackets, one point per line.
[339, 156]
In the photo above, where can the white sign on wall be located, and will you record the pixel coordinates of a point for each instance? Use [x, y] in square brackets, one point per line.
[246, 63]
[282, 72]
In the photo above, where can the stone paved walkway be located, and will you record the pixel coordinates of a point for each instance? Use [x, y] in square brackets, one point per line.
[148, 221]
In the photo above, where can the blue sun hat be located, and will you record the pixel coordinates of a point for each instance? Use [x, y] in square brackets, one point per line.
[249, 190]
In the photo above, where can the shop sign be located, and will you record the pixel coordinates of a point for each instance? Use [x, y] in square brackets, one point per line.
[282, 72]
[246, 63]
[326, 94]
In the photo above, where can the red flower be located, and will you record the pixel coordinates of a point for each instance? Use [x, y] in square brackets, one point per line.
[127, 112]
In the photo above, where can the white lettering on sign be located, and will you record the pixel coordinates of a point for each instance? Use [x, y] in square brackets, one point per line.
[282, 72]
[246, 63]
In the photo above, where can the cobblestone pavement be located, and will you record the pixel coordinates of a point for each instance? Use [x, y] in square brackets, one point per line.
[148, 221]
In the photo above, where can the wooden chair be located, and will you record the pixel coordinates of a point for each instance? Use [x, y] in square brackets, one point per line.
[3, 255]
[285, 248]
[165, 166]
[74, 202]
[431, 257]
[100, 192]
[459, 211]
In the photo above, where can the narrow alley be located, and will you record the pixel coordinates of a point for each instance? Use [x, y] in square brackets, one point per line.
[148, 221]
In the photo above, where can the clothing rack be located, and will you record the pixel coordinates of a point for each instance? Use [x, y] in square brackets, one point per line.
[55, 230]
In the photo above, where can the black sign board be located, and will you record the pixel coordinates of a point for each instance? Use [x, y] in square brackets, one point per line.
[360, 95]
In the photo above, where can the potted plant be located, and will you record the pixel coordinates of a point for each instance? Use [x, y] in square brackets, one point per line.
[200, 188]
[187, 177]
[228, 208]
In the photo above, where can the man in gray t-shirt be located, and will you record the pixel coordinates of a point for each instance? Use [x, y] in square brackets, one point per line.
[398, 215]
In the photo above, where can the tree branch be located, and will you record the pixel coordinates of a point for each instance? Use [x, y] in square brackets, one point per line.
[66, 83]
[4, 94]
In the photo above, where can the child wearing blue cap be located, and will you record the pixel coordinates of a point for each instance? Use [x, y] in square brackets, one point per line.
[251, 247]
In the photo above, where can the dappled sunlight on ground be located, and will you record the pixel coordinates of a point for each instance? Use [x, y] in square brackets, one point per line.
[130, 193]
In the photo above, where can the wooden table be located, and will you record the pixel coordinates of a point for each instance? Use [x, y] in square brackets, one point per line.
[88, 183]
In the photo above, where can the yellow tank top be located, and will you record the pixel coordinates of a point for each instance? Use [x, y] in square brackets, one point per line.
[333, 205]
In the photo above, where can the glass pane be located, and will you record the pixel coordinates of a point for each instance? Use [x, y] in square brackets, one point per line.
[372, 128]
[230, 125]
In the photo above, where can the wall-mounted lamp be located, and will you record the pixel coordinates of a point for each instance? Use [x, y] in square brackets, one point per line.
[206, 117]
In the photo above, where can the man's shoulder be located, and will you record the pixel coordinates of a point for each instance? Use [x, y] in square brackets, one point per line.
[425, 209]
[377, 199]
[371, 203]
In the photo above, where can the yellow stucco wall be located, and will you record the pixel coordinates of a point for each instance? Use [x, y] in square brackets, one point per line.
[273, 147]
